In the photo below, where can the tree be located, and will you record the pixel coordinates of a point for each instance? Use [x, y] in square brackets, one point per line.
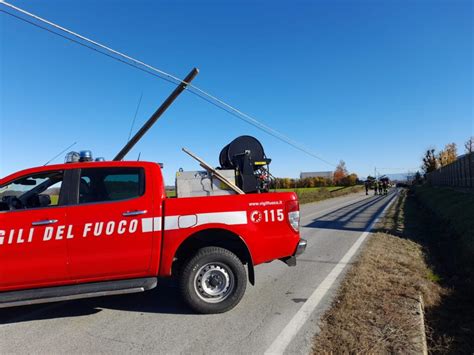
[340, 173]
[430, 162]
[285, 183]
[469, 145]
[418, 179]
[448, 155]
[350, 180]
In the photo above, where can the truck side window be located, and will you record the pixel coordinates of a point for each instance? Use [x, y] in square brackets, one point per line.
[34, 191]
[110, 184]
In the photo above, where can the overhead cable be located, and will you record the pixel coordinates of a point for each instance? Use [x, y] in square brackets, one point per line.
[138, 64]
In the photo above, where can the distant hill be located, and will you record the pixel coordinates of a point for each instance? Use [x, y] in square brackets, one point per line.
[10, 193]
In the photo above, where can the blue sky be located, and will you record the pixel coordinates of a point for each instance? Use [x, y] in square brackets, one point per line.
[374, 83]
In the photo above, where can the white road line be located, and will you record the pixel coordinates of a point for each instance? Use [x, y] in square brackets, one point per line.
[288, 333]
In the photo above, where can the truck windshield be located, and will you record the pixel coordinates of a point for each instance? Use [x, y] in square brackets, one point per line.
[38, 190]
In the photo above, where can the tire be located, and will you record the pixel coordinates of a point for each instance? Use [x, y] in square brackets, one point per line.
[213, 280]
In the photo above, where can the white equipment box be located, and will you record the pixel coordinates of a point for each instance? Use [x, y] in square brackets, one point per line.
[202, 183]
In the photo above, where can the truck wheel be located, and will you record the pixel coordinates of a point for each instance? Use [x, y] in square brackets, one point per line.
[213, 280]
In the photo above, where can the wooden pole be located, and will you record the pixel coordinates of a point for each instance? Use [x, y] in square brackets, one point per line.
[151, 121]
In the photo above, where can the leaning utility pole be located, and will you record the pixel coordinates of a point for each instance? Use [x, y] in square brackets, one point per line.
[151, 121]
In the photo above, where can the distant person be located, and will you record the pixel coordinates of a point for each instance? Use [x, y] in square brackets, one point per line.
[367, 187]
[380, 187]
[385, 187]
[375, 187]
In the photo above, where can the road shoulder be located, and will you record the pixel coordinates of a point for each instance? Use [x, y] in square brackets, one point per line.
[377, 308]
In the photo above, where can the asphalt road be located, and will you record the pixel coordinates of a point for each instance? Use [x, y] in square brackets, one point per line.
[157, 321]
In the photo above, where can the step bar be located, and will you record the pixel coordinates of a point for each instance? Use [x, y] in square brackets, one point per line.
[74, 292]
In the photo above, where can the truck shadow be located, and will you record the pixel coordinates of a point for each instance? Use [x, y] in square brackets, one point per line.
[164, 299]
[354, 217]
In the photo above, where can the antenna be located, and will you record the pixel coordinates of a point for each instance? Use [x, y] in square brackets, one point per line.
[135, 117]
[57, 155]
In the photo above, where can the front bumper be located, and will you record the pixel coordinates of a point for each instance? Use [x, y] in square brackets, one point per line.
[300, 248]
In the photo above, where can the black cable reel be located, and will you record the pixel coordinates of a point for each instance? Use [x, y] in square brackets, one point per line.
[246, 156]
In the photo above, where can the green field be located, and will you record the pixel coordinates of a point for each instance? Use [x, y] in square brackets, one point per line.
[310, 189]
[309, 194]
[170, 193]
[313, 194]
[54, 200]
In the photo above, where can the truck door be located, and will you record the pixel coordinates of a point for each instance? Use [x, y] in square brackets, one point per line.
[33, 231]
[114, 224]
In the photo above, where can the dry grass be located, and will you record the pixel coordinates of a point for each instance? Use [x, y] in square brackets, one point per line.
[323, 193]
[376, 310]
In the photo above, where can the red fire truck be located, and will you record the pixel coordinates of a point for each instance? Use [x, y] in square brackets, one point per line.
[93, 228]
[102, 228]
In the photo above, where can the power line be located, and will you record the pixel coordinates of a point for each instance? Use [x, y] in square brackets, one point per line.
[163, 75]
[89, 40]
[170, 78]
[85, 45]
[267, 130]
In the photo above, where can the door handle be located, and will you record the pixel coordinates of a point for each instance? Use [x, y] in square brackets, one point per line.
[134, 213]
[44, 222]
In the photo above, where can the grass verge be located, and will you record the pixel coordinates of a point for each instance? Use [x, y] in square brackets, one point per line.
[376, 309]
[417, 249]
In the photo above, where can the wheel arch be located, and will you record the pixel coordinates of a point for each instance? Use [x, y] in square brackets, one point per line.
[218, 237]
